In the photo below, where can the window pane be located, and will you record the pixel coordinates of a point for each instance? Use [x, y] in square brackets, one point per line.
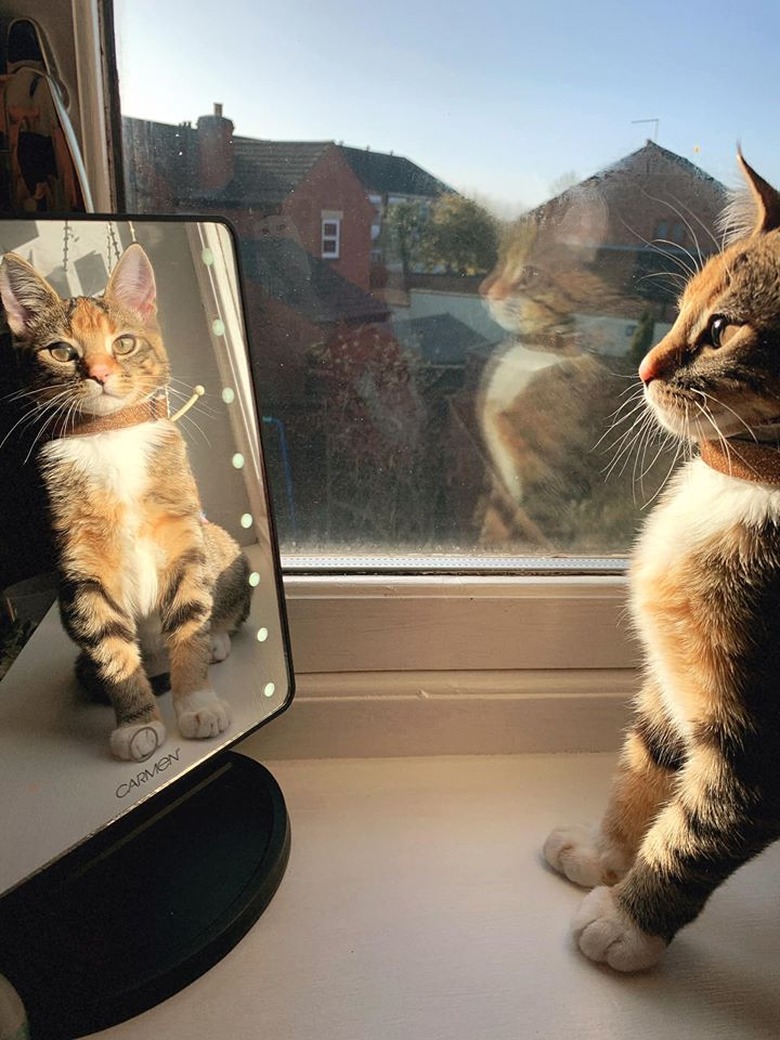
[450, 366]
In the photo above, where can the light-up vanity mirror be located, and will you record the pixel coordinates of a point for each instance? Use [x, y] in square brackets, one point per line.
[113, 723]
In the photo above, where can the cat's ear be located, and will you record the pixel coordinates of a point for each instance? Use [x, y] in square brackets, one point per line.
[766, 200]
[131, 284]
[25, 294]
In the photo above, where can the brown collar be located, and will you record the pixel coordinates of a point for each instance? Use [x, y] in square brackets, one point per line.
[133, 415]
[748, 460]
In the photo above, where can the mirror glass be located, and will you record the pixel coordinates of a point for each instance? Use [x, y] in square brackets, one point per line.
[70, 762]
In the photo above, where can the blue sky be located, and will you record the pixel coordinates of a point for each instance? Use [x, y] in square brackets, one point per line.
[499, 100]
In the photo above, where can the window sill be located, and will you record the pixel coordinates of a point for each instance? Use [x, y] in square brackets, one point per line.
[391, 714]
[450, 623]
[389, 666]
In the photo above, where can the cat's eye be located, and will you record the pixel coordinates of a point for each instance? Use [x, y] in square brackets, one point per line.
[527, 276]
[63, 352]
[717, 331]
[124, 345]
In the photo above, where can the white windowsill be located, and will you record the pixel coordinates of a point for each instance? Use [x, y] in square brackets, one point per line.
[394, 666]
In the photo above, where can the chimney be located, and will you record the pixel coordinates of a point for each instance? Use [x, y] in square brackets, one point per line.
[215, 150]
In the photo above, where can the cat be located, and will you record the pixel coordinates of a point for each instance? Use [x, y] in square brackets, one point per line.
[546, 400]
[138, 563]
[697, 790]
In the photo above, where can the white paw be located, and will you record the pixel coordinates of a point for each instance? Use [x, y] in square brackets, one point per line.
[201, 714]
[136, 743]
[573, 852]
[606, 934]
[220, 646]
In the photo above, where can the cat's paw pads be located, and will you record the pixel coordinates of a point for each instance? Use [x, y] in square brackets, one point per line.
[202, 714]
[220, 646]
[572, 852]
[605, 934]
[137, 742]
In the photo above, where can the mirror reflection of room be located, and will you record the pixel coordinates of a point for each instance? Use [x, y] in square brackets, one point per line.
[131, 434]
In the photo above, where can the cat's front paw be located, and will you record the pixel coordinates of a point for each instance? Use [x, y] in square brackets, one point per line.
[575, 853]
[201, 714]
[606, 934]
[136, 743]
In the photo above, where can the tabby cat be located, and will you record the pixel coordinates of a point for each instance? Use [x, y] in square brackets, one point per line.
[138, 563]
[697, 791]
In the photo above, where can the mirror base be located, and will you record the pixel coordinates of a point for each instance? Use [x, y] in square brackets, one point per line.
[121, 924]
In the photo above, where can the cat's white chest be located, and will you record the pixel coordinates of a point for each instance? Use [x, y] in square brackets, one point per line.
[115, 468]
[116, 462]
[510, 378]
[704, 507]
[699, 520]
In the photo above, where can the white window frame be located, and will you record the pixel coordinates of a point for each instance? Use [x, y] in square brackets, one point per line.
[334, 237]
[553, 654]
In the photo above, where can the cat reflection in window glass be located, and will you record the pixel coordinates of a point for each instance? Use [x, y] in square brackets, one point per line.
[548, 397]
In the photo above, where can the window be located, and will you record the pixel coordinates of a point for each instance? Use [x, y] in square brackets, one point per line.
[427, 400]
[331, 236]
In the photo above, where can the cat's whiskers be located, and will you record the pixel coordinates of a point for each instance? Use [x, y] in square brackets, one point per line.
[682, 447]
[707, 413]
[711, 397]
[688, 271]
[620, 447]
[626, 414]
[647, 467]
[640, 468]
[623, 446]
[683, 209]
[622, 414]
[638, 441]
[680, 210]
[57, 411]
[35, 392]
[677, 277]
[19, 395]
[634, 401]
[186, 420]
[632, 441]
[37, 412]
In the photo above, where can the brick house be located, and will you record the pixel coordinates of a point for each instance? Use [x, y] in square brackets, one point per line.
[388, 180]
[302, 190]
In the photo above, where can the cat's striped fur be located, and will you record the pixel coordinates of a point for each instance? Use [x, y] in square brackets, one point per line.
[697, 792]
[138, 563]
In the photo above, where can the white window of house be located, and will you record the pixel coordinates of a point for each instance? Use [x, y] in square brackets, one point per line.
[331, 236]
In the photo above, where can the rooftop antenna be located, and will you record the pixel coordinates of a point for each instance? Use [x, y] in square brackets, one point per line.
[655, 121]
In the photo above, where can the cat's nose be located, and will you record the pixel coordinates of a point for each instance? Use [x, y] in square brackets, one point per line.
[487, 284]
[660, 361]
[100, 370]
[648, 369]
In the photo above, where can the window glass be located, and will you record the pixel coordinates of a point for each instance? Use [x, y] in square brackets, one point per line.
[456, 245]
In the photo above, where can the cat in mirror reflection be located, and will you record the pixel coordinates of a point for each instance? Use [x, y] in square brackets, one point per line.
[140, 568]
